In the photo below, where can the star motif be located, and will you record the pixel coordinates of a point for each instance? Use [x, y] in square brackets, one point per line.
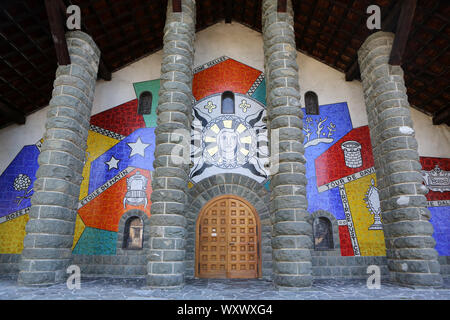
[138, 147]
[112, 163]
[244, 105]
[210, 106]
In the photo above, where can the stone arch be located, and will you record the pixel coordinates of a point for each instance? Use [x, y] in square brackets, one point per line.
[146, 232]
[234, 184]
[334, 226]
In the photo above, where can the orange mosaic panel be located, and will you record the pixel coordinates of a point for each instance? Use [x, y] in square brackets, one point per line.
[105, 210]
[227, 75]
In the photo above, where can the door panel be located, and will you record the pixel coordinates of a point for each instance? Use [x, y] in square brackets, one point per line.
[228, 240]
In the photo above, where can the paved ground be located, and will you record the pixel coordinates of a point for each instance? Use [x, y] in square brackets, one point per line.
[134, 289]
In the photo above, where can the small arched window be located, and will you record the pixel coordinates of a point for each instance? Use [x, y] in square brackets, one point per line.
[145, 103]
[133, 233]
[228, 102]
[311, 103]
[323, 234]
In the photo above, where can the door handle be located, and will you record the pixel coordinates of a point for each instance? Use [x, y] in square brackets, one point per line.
[231, 243]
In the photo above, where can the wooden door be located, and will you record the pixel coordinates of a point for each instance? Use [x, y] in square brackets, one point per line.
[228, 240]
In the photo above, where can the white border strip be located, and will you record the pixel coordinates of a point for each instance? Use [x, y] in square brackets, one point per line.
[104, 187]
[348, 217]
[347, 179]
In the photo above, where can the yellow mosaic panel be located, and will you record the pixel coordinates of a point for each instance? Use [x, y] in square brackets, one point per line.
[79, 228]
[371, 242]
[97, 144]
[12, 234]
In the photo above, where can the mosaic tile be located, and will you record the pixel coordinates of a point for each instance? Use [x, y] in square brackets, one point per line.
[103, 208]
[96, 242]
[440, 219]
[16, 182]
[336, 115]
[136, 150]
[370, 241]
[153, 87]
[438, 200]
[332, 165]
[228, 75]
[97, 144]
[12, 234]
[79, 229]
[345, 241]
[122, 119]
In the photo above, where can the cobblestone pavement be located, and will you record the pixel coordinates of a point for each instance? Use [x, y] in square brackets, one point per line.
[134, 289]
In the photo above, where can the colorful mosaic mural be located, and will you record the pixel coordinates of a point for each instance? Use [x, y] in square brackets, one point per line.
[436, 175]
[228, 136]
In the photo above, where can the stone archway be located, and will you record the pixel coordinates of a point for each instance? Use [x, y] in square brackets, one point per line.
[228, 239]
[229, 184]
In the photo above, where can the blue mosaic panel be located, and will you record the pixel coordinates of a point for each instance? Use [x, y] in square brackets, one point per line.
[16, 182]
[96, 242]
[136, 150]
[337, 124]
[440, 219]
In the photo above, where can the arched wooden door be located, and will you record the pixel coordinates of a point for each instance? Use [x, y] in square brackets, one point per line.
[228, 239]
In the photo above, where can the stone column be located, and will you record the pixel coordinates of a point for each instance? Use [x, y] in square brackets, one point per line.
[47, 245]
[410, 251]
[292, 230]
[166, 264]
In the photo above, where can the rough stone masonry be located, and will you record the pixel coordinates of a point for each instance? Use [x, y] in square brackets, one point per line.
[48, 244]
[292, 231]
[166, 266]
[410, 251]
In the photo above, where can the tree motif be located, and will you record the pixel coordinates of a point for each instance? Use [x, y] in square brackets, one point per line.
[21, 183]
[320, 137]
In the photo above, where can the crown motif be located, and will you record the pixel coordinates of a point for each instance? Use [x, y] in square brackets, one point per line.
[437, 179]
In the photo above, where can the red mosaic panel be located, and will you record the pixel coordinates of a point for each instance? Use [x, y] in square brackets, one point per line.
[105, 211]
[346, 243]
[227, 75]
[429, 163]
[122, 119]
[330, 166]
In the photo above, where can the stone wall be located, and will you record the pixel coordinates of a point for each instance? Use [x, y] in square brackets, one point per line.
[47, 245]
[331, 265]
[9, 263]
[167, 231]
[291, 236]
[131, 264]
[408, 233]
[445, 266]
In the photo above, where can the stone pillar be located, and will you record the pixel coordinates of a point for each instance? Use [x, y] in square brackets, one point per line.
[47, 246]
[166, 265]
[410, 251]
[292, 230]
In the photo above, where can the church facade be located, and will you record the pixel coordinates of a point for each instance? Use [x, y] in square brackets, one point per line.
[228, 154]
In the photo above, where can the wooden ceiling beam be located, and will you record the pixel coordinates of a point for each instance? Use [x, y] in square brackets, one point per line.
[404, 26]
[282, 6]
[176, 5]
[56, 22]
[103, 71]
[442, 116]
[343, 19]
[307, 25]
[12, 113]
[228, 11]
[387, 24]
